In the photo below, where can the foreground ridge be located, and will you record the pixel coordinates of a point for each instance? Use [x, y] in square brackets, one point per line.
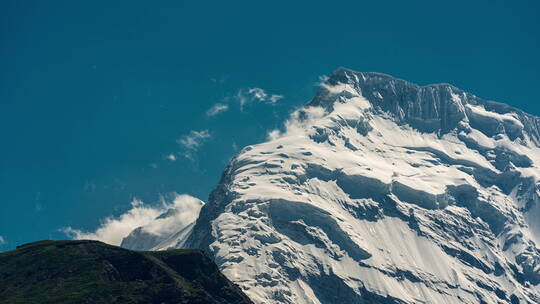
[93, 272]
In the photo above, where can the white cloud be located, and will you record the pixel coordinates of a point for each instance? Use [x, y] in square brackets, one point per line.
[171, 157]
[246, 96]
[185, 210]
[216, 109]
[274, 98]
[261, 96]
[242, 98]
[113, 229]
[299, 121]
[2, 240]
[337, 88]
[322, 80]
[193, 141]
[273, 134]
[258, 94]
[303, 118]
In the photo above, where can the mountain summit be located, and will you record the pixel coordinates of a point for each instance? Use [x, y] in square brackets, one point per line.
[383, 191]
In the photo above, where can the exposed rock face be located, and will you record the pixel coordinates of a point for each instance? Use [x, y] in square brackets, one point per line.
[432, 108]
[382, 191]
[93, 272]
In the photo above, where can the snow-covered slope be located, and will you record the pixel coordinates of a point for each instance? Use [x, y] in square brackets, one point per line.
[382, 191]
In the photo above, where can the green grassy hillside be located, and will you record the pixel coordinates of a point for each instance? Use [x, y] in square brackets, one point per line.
[94, 272]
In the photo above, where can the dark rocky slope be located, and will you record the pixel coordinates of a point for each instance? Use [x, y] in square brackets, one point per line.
[94, 272]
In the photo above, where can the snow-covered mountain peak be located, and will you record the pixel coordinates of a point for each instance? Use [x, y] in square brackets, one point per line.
[382, 191]
[432, 108]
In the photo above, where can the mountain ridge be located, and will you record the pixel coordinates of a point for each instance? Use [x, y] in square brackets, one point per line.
[93, 272]
[373, 82]
[382, 191]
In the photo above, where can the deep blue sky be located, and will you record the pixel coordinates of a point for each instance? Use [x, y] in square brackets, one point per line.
[95, 94]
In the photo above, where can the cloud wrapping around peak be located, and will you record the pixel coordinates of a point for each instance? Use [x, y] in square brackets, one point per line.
[183, 211]
[2, 240]
[273, 134]
[157, 220]
[217, 109]
[322, 80]
[113, 229]
[338, 88]
[302, 119]
[299, 121]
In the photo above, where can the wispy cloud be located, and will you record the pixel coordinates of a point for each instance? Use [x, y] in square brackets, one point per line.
[258, 94]
[216, 109]
[183, 211]
[246, 96]
[273, 134]
[112, 230]
[241, 98]
[322, 80]
[38, 206]
[2, 240]
[275, 98]
[193, 141]
[299, 121]
[261, 96]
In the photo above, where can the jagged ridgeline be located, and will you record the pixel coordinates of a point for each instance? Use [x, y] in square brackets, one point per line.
[382, 191]
[93, 272]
